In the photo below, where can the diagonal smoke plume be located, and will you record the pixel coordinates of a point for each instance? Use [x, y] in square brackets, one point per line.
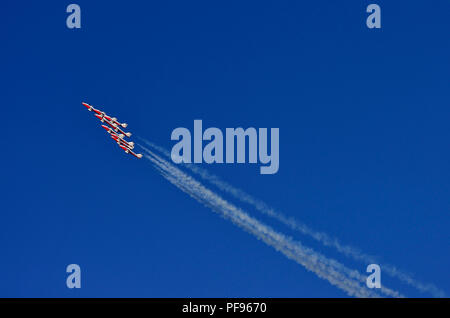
[348, 280]
[321, 237]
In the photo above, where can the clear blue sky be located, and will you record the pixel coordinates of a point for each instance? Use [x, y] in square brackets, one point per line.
[364, 142]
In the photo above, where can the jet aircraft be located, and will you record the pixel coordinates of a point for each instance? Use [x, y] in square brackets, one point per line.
[114, 128]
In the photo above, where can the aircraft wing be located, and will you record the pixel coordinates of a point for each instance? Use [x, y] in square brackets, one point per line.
[91, 108]
[121, 141]
[128, 150]
[114, 126]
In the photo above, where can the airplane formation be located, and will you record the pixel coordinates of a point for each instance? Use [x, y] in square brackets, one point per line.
[114, 128]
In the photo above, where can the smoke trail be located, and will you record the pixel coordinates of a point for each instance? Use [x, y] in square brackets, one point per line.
[337, 274]
[321, 237]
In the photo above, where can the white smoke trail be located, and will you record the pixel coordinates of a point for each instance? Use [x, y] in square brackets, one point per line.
[321, 237]
[337, 274]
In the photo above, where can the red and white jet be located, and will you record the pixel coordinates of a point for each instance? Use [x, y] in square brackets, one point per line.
[119, 138]
[103, 115]
[107, 119]
[128, 150]
[114, 130]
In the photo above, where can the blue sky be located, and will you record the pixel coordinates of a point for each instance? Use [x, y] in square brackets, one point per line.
[363, 117]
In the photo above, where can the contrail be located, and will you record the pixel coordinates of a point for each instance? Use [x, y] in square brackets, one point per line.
[337, 274]
[321, 237]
